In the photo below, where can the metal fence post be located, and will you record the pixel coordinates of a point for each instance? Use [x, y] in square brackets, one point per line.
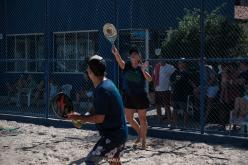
[202, 68]
[116, 66]
[47, 60]
[4, 40]
[147, 53]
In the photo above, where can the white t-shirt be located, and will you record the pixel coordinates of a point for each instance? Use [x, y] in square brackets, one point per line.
[164, 77]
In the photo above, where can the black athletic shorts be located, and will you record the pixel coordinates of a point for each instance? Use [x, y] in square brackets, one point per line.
[105, 149]
[136, 101]
[163, 98]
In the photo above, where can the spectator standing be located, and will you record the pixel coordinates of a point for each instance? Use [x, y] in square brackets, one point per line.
[161, 77]
[212, 88]
[230, 89]
[181, 89]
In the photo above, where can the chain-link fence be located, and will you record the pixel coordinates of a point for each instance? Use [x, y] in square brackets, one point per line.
[197, 52]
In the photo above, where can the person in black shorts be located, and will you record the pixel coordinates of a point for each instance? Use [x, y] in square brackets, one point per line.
[182, 88]
[161, 78]
[135, 97]
[108, 115]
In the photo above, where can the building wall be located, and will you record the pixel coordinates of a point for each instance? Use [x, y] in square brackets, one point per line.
[28, 16]
[2, 24]
[1, 15]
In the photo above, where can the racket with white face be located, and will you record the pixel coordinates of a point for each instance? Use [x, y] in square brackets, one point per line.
[110, 32]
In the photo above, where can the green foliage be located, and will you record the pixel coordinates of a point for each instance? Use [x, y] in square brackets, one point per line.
[222, 36]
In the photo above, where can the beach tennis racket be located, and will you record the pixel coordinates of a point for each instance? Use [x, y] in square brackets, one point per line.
[62, 105]
[110, 32]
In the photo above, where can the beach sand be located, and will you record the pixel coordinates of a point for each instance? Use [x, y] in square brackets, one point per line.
[29, 144]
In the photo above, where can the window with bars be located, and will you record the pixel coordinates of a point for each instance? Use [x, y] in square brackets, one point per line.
[72, 48]
[25, 53]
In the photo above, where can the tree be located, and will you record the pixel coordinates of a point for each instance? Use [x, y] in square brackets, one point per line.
[222, 36]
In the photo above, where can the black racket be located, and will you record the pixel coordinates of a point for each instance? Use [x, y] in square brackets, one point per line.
[62, 105]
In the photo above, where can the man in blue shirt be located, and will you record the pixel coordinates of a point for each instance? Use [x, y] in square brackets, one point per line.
[108, 115]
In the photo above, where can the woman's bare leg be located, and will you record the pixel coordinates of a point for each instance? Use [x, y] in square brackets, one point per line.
[143, 126]
[132, 121]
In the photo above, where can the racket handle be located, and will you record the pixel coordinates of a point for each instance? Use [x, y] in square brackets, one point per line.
[113, 45]
[77, 123]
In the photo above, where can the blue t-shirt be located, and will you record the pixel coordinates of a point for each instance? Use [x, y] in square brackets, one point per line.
[107, 101]
[133, 80]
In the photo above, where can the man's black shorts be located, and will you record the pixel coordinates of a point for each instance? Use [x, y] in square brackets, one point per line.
[106, 148]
